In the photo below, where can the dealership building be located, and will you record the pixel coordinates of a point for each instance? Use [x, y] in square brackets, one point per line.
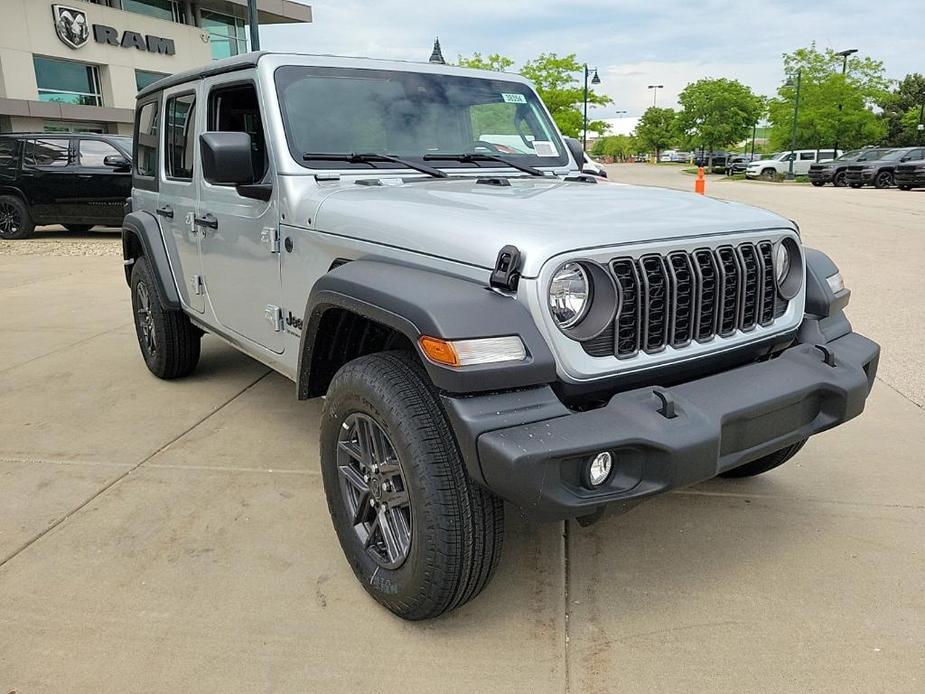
[76, 66]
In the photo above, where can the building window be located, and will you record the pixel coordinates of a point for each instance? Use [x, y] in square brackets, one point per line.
[179, 134]
[60, 127]
[170, 10]
[143, 78]
[67, 82]
[226, 34]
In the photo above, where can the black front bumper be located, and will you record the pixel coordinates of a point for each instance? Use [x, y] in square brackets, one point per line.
[824, 175]
[529, 449]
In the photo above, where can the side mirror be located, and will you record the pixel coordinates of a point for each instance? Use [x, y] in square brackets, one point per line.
[227, 158]
[576, 150]
[117, 162]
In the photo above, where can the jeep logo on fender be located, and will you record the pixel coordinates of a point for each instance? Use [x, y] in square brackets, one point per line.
[74, 31]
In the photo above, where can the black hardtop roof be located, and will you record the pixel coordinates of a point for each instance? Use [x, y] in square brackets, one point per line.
[218, 67]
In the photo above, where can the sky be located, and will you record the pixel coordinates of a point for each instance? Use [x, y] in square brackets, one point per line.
[633, 43]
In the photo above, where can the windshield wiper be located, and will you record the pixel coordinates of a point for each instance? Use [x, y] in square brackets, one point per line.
[370, 158]
[472, 157]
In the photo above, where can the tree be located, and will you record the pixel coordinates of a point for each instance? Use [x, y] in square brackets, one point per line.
[617, 146]
[657, 129]
[833, 108]
[901, 111]
[718, 112]
[556, 81]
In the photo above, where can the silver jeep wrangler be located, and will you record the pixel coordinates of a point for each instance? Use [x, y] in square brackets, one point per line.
[417, 244]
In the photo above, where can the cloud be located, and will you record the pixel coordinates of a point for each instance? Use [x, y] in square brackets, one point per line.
[634, 43]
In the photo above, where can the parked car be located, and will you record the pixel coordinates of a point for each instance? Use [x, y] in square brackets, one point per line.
[589, 166]
[715, 160]
[879, 172]
[779, 163]
[835, 171]
[483, 326]
[737, 164]
[910, 175]
[78, 180]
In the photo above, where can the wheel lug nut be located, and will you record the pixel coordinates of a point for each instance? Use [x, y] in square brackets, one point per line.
[386, 486]
[366, 478]
[372, 502]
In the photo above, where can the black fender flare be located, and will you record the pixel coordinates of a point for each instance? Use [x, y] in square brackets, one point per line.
[144, 229]
[824, 318]
[416, 302]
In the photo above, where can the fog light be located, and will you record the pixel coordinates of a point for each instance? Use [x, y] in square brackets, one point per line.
[599, 469]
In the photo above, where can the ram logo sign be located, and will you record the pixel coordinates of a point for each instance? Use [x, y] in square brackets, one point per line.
[73, 29]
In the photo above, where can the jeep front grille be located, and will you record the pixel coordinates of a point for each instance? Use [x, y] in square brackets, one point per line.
[681, 297]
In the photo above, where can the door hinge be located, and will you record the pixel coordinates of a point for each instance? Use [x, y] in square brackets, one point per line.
[196, 284]
[506, 274]
[269, 236]
[275, 316]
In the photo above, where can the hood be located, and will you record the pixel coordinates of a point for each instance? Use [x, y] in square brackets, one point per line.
[470, 222]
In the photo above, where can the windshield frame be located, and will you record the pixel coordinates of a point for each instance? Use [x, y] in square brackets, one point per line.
[281, 81]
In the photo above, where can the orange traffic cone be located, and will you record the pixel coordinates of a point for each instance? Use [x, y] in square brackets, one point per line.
[700, 184]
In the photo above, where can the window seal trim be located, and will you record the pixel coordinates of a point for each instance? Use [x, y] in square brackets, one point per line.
[162, 168]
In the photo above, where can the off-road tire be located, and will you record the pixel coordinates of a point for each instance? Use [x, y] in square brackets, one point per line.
[456, 526]
[176, 344]
[884, 179]
[15, 221]
[79, 228]
[840, 179]
[768, 462]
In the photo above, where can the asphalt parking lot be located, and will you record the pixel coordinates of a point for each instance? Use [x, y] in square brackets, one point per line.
[174, 536]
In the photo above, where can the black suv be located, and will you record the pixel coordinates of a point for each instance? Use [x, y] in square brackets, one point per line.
[75, 179]
[835, 171]
[879, 172]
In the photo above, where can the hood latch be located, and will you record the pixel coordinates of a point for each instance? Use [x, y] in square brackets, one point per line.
[507, 269]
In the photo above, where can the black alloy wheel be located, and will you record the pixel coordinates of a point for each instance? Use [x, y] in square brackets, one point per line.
[15, 222]
[145, 319]
[373, 487]
[840, 180]
[884, 179]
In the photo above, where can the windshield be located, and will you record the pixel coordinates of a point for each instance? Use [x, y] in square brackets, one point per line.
[894, 154]
[411, 115]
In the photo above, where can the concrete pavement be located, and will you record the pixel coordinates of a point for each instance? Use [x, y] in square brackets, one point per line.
[174, 535]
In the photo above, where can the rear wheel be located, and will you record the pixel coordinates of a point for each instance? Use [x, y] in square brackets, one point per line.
[768, 462]
[884, 179]
[78, 228]
[421, 537]
[15, 221]
[840, 180]
[169, 342]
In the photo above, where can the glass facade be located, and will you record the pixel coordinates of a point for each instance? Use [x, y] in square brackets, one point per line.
[143, 78]
[227, 34]
[171, 10]
[67, 82]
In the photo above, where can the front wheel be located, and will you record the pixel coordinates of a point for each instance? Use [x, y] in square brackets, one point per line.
[768, 462]
[840, 180]
[769, 174]
[420, 536]
[15, 221]
[884, 179]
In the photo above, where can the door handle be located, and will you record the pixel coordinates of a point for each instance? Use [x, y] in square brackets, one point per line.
[207, 220]
[165, 211]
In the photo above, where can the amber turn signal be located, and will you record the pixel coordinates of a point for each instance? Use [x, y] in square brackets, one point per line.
[439, 351]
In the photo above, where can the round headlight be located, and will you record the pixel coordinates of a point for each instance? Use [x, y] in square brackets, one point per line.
[569, 294]
[781, 263]
[788, 268]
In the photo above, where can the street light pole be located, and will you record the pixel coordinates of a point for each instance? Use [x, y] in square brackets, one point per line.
[594, 80]
[254, 26]
[793, 131]
[844, 70]
[655, 88]
[921, 125]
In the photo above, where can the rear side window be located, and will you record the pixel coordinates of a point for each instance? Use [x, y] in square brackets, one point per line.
[179, 136]
[146, 128]
[807, 156]
[51, 152]
[9, 157]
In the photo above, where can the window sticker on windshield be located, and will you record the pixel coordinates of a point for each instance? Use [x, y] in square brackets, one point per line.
[544, 148]
[514, 98]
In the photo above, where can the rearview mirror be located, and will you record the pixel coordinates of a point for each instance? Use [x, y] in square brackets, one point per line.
[576, 150]
[116, 161]
[226, 158]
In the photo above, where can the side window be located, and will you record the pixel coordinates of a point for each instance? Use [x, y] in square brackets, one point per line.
[93, 152]
[146, 140]
[826, 154]
[916, 155]
[807, 156]
[235, 109]
[9, 157]
[51, 152]
[179, 136]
